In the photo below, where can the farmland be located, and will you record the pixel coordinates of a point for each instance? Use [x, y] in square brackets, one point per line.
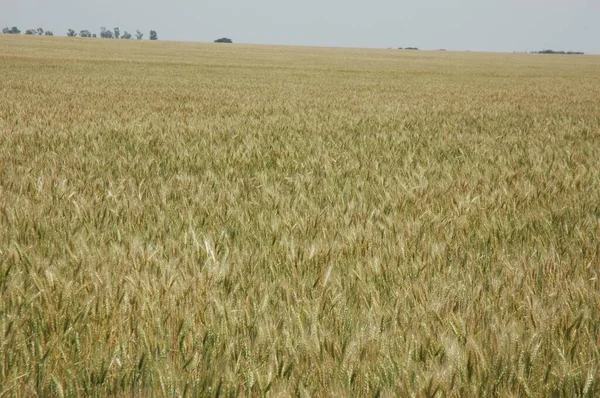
[203, 219]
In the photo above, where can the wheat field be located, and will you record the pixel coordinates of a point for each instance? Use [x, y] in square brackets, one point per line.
[181, 219]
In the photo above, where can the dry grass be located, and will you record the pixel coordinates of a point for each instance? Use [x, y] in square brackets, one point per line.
[195, 219]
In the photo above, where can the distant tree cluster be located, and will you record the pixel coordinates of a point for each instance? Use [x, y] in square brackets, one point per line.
[35, 32]
[408, 48]
[558, 52]
[116, 34]
[224, 40]
[104, 33]
[11, 31]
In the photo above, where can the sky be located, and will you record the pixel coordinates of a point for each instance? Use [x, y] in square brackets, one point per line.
[475, 25]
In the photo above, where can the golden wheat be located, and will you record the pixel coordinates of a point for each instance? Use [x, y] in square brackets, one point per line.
[201, 219]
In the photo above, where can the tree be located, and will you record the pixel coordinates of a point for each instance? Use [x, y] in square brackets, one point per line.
[224, 40]
[94, 35]
[30, 32]
[40, 31]
[139, 35]
[11, 31]
[71, 33]
[117, 32]
[126, 35]
[105, 33]
[153, 35]
[48, 33]
[85, 33]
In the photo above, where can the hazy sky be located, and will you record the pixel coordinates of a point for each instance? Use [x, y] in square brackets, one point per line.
[493, 25]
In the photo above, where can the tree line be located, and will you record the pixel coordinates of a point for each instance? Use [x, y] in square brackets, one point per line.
[104, 33]
[558, 52]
